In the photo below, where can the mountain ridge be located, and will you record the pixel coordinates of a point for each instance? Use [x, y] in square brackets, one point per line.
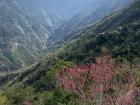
[22, 34]
[80, 20]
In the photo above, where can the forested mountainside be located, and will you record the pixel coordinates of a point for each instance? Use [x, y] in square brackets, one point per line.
[26, 26]
[115, 34]
[57, 80]
[87, 17]
[23, 32]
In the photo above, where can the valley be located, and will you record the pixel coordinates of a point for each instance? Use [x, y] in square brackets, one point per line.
[69, 52]
[27, 31]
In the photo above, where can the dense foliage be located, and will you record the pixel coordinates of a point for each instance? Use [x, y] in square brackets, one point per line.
[64, 83]
[95, 84]
[80, 74]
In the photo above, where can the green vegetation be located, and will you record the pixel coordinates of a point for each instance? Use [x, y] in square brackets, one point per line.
[38, 87]
[3, 100]
[117, 34]
[38, 84]
[138, 78]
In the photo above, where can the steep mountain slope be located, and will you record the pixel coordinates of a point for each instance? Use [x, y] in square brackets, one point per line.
[24, 30]
[26, 26]
[120, 40]
[117, 34]
[126, 16]
[87, 17]
[90, 44]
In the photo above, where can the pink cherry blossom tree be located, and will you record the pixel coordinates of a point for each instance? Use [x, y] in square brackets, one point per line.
[89, 81]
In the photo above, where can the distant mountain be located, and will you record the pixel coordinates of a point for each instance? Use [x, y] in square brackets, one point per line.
[87, 17]
[24, 30]
[65, 9]
[26, 26]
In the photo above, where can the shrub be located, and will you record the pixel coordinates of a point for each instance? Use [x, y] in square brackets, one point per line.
[3, 100]
[138, 78]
